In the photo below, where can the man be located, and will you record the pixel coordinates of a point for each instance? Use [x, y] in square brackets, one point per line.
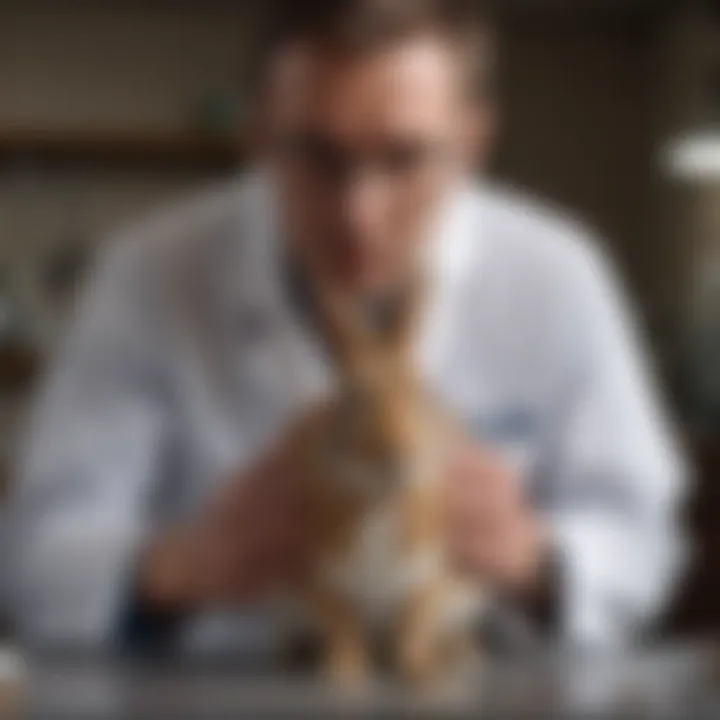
[153, 503]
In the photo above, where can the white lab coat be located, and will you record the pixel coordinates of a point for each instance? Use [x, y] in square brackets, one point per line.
[187, 358]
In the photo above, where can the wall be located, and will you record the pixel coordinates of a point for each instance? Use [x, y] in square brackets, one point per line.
[114, 64]
[686, 57]
[576, 127]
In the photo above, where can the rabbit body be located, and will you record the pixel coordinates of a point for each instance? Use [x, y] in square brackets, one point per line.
[370, 459]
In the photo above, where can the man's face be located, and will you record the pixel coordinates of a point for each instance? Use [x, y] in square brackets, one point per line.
[366, 146]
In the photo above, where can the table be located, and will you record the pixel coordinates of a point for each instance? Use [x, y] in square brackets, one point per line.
[672, 683]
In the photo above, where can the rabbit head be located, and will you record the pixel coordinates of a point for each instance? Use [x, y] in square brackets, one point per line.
[377, 420]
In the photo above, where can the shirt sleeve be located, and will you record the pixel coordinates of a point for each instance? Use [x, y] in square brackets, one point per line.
[615, 473]
[148, 631]
[77, 514]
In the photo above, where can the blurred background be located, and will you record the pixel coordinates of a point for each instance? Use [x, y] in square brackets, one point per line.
[611, 108]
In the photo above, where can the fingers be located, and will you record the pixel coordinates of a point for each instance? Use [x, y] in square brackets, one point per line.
[481, 491]
[491, 530]
[246, 565]
[483, 472]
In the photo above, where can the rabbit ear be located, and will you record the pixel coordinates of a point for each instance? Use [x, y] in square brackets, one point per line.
[345, 327]
[367, 336]
[399, 321]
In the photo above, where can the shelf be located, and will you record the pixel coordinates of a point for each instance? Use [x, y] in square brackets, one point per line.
[119, 148]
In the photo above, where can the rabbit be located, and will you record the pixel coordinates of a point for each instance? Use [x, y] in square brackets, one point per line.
[370, 461]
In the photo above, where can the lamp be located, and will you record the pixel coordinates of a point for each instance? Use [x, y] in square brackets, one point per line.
[694, 156]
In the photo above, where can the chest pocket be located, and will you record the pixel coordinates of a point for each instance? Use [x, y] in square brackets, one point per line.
[511, 430]
[497, 411]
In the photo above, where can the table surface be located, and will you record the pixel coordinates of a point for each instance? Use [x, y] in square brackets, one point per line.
[678, 682]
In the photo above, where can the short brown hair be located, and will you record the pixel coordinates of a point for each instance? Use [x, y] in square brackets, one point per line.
[368, 24]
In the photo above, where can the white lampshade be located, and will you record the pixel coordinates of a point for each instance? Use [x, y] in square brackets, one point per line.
[694, 156]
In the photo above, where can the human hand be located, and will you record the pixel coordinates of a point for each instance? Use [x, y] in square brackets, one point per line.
[248, 542]
[494, 534]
